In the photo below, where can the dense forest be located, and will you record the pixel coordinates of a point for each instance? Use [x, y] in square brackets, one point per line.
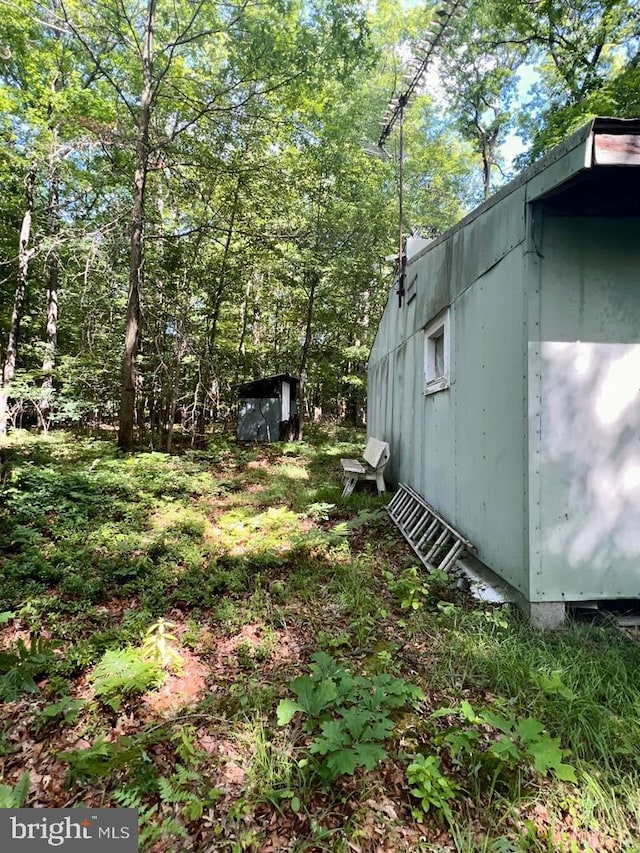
[191, 193]
[192, 196]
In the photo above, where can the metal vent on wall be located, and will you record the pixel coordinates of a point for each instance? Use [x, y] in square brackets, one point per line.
[435, 541]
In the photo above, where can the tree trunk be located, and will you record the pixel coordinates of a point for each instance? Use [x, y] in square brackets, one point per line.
[486, 172]
[241, 352]
[315, 280]
[24, 256]
[52, 264]
[216, 303]
[181, 349]
[136, 261]
[173, 402]
[140, 412]
[52, 275]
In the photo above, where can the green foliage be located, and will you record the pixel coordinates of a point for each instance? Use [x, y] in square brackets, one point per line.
[539, 693]
[415, 588]
[350, 716]
[352, 740]
[552, 684]
[284, 59]
[596, 664]
[320, 510]
[14, 797]
[430, 786]
[152, 826]
[20, 665]
[66, 709]
[160, 644]
[123, 673]
[103, 759]
[511, 741]
[498, 617]
[187, 789]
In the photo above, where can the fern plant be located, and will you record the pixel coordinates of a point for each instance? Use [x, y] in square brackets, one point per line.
[188, 790]
[105, 760]
[151, 826]
[15, 796]
[122, 673]
[20, 665]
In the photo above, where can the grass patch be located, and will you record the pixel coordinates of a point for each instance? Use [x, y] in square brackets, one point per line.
[160, 614]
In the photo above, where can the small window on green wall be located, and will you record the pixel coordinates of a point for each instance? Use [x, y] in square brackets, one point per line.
[436, 353]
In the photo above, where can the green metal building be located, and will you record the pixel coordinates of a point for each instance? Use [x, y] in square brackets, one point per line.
[507, 378]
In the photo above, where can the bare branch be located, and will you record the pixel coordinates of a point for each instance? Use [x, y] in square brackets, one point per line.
[97, 62]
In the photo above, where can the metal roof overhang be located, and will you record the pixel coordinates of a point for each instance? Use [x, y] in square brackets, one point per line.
[594, 172]
[259, 386]
[608, 183]
[605, 191]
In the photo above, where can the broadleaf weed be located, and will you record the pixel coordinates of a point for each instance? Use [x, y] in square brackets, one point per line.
[350, 716]
[431, 787]
[512, 742]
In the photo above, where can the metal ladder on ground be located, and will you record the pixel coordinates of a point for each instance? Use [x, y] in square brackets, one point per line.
[435, 541]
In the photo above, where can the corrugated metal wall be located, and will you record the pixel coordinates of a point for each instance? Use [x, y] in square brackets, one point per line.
[463, 448]
[533, 452]
[490, 422]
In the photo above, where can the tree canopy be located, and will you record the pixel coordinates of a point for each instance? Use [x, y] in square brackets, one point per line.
[191, 193]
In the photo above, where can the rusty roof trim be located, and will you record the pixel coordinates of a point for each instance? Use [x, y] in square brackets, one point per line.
[616, 149]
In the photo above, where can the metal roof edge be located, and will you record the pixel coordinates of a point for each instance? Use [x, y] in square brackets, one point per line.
[611, 124]
[286, 376]
[579, 137]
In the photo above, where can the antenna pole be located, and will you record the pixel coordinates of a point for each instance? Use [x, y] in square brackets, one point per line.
[444, 20]
[442, 26]
[401, 255]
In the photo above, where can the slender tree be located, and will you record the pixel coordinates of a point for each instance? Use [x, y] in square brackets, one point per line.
[136, 244]
[25, 253]
[52, 266]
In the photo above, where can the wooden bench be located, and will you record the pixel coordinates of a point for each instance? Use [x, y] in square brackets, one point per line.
[370, 467]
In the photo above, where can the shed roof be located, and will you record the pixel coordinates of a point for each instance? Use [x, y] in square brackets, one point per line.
[584, 174]
[266, 386]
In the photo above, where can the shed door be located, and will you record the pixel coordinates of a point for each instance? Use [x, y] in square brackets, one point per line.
[286, 401]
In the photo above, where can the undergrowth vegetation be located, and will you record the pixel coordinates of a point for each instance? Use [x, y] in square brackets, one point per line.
[219, 640]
